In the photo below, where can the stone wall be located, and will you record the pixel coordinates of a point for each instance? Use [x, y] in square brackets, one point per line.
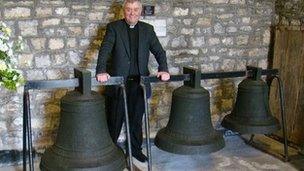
[214, 35]
[290, 13]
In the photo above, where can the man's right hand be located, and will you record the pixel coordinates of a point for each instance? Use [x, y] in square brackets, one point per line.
[102, 77]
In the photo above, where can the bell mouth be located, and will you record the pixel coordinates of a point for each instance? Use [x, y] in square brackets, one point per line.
[247, 126]
[167, 141]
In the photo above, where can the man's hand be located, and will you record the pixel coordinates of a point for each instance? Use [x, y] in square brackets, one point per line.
[102, 77]
[164, 76]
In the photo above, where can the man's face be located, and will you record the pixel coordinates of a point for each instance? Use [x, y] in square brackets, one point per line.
[132, 12]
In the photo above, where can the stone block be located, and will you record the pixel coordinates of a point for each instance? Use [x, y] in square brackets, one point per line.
[236, 52]
[51, 22]
[54, 74]
[62, 11]
[17, 12]
[96, 16]
[25, 60]
[266, 37]
[228, 64]
[80, 7]
[71, 21]
[246, 20]
[38, 43]
[241, 65]
[91, 30]
[43, 11]
[84, 42]
[28, 27]
[180, 11]
[71, 42]
[35, 75]
[225, 16]
[263, 63]
[179, 42]
[75, 31]
[187, 31]
[203, 21]
[238, 2]
[56, 43]
[48, 32]
[255, 52]
[207, 67]
[213, 41]
[184, 61]
[218, 28]
[242, 40]
[197, 41]
[53, 2]
[74, 57]
[187, 21]
[42, 61]
[218, 1]
[59, 59]
[214, 58]
[246, 28]
[231, 29]
[197, 11]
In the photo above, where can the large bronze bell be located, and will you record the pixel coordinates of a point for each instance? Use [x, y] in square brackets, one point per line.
[189, 130]
[251, 113]
[83, 142]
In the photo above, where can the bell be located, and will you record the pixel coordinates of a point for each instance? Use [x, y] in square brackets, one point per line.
[251, 113]
[83, 142]
[189, 130]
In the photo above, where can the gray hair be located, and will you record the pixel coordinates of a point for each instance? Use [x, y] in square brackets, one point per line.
[131, 1]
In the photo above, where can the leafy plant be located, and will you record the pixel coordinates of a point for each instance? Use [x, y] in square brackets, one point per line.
[10, 78]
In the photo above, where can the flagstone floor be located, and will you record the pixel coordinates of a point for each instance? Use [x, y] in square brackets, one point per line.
[236, 155]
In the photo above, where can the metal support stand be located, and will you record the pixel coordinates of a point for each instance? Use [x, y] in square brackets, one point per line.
[147, 128]
[27, 132]
[52, 84]
[283, 118]
[203, 76]
[148, 80]
[127, 127]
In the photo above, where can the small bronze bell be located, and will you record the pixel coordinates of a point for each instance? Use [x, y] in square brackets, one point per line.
[251, 113]
[189, 130]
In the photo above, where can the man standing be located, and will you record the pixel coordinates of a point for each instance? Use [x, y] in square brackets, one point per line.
[125, 52]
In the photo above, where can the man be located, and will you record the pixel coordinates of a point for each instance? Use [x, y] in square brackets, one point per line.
[125, 52]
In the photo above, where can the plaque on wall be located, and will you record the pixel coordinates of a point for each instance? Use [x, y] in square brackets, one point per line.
[148, 10]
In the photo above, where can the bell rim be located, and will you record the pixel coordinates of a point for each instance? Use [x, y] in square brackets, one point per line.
[118, 164]
[188, 148]
[230, 122]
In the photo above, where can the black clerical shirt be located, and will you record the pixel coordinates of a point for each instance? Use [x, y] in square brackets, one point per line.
[133, 42]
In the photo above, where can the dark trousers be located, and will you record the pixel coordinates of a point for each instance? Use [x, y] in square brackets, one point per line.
[115, 114]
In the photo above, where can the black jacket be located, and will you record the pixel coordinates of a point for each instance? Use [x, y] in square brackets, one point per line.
[114, 54]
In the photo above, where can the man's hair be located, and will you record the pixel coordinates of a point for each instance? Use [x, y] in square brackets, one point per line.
[131, 1]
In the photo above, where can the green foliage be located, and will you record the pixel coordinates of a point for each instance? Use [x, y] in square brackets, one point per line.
[10, 78]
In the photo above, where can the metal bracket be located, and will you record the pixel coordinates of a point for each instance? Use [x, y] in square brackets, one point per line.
[84, 78]
[254, 73]
[195, 77]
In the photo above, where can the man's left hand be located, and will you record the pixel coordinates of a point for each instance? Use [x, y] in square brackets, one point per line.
[164, 76]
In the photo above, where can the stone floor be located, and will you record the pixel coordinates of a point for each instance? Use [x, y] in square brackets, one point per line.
[236, 155]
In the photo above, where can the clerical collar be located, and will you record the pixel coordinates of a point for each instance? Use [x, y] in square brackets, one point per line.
[131, 26]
